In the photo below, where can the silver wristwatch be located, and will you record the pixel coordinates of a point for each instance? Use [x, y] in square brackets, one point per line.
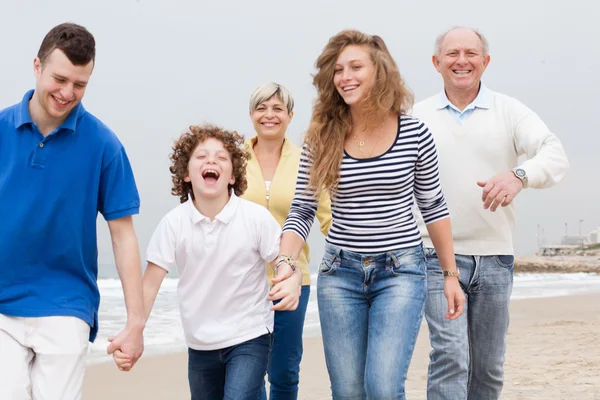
[521, 174]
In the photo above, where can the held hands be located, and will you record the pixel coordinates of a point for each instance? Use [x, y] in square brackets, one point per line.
[455, 297]
[127, 347]
[287, 286]
[500, 190]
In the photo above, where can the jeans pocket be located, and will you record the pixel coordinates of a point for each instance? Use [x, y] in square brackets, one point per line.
[410, 264]
[330, 262]
[505, 261]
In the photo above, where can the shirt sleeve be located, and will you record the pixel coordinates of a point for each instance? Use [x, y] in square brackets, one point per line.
[304, 206]
[161, 248]
[427, 186]
[269, 237]
[118, 195]
[324, 212]
[546, 162]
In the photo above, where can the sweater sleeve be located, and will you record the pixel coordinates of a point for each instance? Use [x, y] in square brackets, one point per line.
[427, 186]
[546, 162]
[324, 212]
[304, 206]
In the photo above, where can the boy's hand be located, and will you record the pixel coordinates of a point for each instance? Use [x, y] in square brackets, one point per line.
[288, 291]
[122, 360]
[130, 341]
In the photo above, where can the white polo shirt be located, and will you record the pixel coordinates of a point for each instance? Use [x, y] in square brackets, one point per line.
[223, 284]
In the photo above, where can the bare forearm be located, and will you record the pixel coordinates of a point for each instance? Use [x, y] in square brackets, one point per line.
[291, 244]
[152, 280]
[127, 259]
[440, 233]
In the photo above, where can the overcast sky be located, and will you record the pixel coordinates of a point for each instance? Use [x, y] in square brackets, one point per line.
[163, 65]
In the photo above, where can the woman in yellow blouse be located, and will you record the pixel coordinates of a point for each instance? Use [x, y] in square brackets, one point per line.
[271, 174]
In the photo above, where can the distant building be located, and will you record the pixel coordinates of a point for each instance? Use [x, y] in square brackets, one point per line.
[569, 244]
[573, 240]
[594, 236]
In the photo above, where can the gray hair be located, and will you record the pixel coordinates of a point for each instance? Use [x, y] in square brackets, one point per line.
[437, 49]
[268, 90]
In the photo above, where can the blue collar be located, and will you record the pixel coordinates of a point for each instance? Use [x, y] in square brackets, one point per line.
[483, 100]
[23, 117]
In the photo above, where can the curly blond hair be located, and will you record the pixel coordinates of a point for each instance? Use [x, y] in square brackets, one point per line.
[331, 120]
[184, 147]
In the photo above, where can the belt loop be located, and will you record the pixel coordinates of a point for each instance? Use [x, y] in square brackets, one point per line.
[394, 259]
[335, 254]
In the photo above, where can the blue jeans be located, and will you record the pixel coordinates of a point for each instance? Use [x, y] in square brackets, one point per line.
[236, 372]
[371, 308]
[286, 354]
[467, 360]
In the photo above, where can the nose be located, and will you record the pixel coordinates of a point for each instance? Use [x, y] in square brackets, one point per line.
[462, 57]
[67, 91]
[346, 74]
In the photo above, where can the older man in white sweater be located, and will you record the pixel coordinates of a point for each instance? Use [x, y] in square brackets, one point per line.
[480, 134]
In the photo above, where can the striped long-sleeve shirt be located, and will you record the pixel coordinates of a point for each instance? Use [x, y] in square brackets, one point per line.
[372, 207]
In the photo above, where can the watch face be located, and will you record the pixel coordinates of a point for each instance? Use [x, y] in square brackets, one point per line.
[520, 172]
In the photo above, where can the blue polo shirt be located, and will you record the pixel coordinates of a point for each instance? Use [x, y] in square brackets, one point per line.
[51, 190]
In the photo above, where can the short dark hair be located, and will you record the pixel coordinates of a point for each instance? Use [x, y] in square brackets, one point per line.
[74, 40]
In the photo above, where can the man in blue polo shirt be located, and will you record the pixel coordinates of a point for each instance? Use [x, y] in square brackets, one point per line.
[59, 167]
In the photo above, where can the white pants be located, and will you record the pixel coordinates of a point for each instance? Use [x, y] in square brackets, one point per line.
[42, 358]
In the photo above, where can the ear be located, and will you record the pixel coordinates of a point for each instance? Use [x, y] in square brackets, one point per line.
[37, 67]
[436, 62]
[291, 115]
[232, 180]
[486, 61]
[187, 179]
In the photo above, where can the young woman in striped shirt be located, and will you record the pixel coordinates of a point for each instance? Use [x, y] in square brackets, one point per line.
[375, 161]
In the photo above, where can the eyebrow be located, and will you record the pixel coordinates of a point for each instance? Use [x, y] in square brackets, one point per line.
[351, 61]
[458, 49]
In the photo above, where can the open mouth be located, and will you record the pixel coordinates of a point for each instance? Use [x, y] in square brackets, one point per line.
[462, 72]
[60, 103]
[210, 176]
[269, 124]
[349, 89]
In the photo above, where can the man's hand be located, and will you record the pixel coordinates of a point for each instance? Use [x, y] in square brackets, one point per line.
[500, 190]
[455, 296]
[130, 345]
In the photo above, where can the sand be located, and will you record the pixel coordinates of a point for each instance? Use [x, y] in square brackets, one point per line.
[553, 353]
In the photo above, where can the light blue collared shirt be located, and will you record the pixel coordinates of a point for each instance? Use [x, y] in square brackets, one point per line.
[483, 100]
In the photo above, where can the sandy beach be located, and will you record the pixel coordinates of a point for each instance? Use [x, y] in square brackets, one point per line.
[553, 353]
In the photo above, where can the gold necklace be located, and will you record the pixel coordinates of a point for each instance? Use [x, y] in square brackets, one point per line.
[361, 142]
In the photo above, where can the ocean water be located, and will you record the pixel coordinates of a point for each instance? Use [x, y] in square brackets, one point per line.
[164, 334]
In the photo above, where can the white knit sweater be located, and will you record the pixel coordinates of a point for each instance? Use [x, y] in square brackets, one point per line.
[489, 142]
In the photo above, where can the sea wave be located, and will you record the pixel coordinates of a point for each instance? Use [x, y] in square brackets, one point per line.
[164, 334]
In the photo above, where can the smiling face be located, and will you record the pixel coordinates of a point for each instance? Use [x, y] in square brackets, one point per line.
[271, 118]
[210, 170]
[353, 74]
[461, 61]
[60, 86]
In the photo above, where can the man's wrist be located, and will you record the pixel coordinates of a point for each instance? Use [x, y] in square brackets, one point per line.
[521, 175]
[136, 323]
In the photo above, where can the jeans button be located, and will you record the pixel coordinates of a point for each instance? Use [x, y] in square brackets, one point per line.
[367, 262]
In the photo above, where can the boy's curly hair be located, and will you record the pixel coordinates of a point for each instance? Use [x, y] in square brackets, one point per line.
[184, 147]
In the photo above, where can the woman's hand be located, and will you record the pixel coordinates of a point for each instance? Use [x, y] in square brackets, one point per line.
[455, 296]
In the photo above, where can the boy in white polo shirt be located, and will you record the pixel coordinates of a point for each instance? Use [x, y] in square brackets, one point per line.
[218, 243]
